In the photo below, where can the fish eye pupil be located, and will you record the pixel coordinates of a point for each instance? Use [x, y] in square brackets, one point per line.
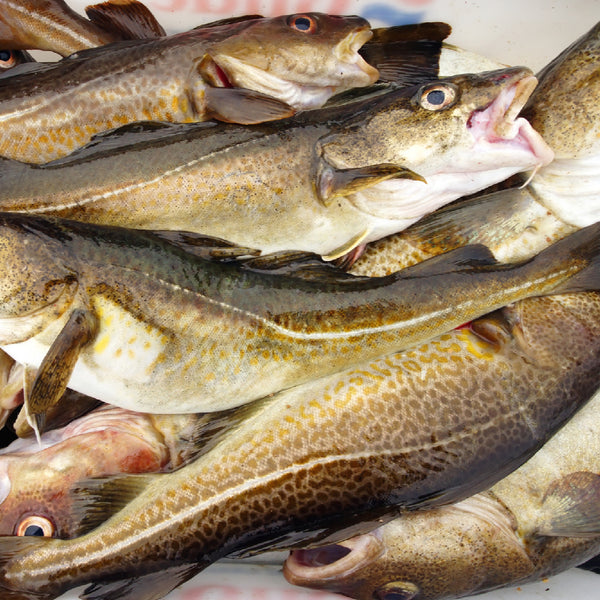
[34, 530]
[436, 97]
[302, 23]
[5, 55]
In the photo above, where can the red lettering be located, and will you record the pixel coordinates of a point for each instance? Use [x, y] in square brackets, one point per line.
[171, 5]
[225, 7]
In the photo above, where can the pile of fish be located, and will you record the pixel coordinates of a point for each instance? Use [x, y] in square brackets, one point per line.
[293, 283]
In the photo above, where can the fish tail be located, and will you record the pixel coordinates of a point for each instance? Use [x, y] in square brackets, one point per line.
[579, 252]
[13, 550]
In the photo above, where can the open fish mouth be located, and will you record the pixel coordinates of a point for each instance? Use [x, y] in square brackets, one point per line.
[499, 122]
[347, 52]
[332, 561]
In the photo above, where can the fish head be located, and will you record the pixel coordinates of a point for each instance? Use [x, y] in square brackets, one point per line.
[447, 552]
[459, 135]
[301, 59]
[36, 478]
[38, 287]
[13, 58]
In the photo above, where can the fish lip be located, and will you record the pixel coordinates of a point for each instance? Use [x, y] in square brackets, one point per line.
[347, 51]
[364, 549]
[499, 121]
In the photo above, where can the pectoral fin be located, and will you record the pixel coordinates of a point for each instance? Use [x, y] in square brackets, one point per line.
[332, 182]
[247, 107]
[55, 370]
[130, 19]
[571, 506]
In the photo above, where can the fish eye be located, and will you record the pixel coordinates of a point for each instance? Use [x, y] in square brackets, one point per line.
[437, 96]
[7, 59]
[396, 590]
[36, 526]
[303, 23]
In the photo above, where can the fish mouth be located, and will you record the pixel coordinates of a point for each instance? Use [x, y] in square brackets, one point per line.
[318, 565]
[347, 52]
[499, 122]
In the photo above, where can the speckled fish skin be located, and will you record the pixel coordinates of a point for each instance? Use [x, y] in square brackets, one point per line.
[48, 25]
[49, 113]
[506, 536]
[239, 331]
[267, 186]
[563, 196]
[295, 471]
[34, 480]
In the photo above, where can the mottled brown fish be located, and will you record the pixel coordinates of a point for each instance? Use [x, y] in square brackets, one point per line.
[564, 195]
[48, 25]
[324, 181]
[288, 63]
[537, 521]
[436, 423]
[93, 307]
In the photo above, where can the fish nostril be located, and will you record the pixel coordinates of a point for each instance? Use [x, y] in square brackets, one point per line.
[320, 557]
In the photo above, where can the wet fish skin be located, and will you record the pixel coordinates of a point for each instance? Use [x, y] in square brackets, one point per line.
[293, 472]
[537, 521]
[336, 187]
[563, 196]
[48, 25]
[50, 112]
[34, 480]
[118, 287]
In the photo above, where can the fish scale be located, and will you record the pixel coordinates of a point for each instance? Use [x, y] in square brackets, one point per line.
[292, 470]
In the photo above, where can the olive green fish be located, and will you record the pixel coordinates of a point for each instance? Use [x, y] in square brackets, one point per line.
[134, 317]
[324, 181]
[437, 422]
[516, 223]
[537, 521]
[285, 63]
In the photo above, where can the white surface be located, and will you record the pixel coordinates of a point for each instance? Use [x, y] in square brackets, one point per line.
[224, 581]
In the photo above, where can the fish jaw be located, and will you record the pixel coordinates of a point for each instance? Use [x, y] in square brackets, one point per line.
[499, 124]
[416, 550]
[345, 69]
[494, 145]
[325, 566]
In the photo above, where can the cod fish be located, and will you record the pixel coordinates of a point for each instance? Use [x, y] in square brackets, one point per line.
[324, 181]
[437, 422]
[563, 196]
[134, 317]
[34, 481]
[48, 25]
[287, 63]
[537, 521]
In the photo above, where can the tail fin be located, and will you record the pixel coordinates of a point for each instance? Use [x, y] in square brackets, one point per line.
[579, 253]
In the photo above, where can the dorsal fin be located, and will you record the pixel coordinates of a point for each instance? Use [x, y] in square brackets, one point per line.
[129, 19]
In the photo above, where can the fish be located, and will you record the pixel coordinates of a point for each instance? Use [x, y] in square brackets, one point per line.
[92, 308]
[290, 62]
[48, 25]
[34, 479]
[437, 422]
[9, 59]
[324, 181]
[537, 521]
[517, 222]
